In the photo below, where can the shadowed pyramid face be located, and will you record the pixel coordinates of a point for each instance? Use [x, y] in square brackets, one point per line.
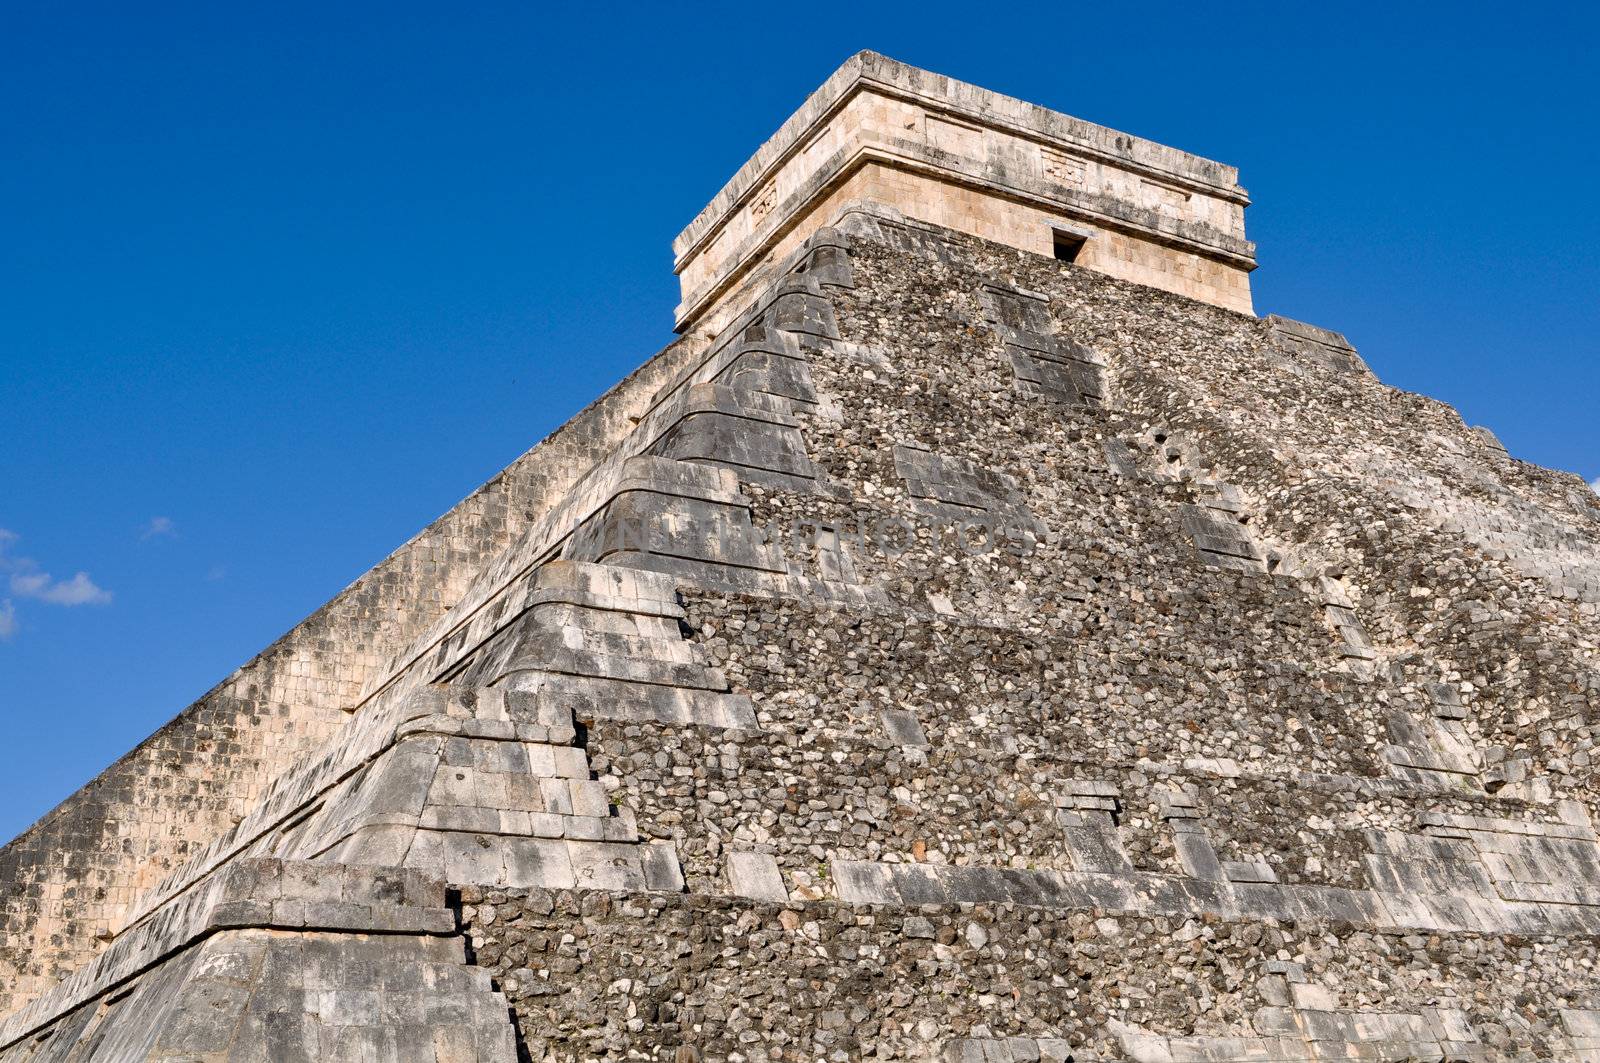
[948, 652]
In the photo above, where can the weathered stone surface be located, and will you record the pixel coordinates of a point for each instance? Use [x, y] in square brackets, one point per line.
[970, 160]
[952, 654]
[756, 876]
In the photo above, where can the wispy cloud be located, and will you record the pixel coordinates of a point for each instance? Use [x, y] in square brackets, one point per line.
[8, 620]
[79, 590]
[158, 527]
[28, 580]
[1595, 485]
[216, 574]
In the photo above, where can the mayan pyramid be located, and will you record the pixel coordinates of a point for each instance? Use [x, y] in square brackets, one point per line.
[978, 637]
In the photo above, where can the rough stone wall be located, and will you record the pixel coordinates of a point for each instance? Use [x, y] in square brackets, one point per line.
[955, 724]
[68, 879]
[1256, 726]
[1113, 651]
[1325, 459]
[605, 976]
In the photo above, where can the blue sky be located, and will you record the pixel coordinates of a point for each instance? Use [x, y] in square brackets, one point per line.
[280, 285]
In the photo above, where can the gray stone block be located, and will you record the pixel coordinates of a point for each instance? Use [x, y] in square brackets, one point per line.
[1198, 858]
[756, 875]
[903, 728]
[606, 865]
[1097, 849]
[919, 884]
[861, 882]
[659, 862]
[543, 862]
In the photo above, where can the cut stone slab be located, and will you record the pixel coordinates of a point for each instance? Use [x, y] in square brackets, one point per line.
[756, 876]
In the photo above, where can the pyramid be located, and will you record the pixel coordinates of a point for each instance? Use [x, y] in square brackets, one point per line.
[977, 637]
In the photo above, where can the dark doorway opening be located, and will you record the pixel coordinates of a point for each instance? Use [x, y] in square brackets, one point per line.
[1068, 245]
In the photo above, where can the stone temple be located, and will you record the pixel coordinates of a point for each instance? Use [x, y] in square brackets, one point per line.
[978, 638]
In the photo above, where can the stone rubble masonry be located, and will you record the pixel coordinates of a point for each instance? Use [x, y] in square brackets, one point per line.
[997, 981]
[1265, 731]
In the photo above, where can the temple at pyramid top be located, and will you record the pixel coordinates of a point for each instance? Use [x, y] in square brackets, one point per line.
[955, 155]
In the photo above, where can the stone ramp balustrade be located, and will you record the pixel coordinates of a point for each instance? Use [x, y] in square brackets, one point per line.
[274, 960]
[257, 996]
[1044, 364]
[686, 518]
[1325, 347]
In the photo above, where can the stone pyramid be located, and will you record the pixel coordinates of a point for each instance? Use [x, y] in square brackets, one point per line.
[979, 637]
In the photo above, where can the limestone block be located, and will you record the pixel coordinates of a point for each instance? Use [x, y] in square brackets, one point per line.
[607, 865]
[1255, 869]
[557, 796]
[470, 858]
[919, 884]
[1274, 990]
[607, 699]
[799, 307]
[1277, 1019]
[756, 875]
[771, 372]
[903, 728]
[1059, 1050]
[1451, 1024]
[758, 451]
[543, 862]
[661, 868]
[1198, 858]
[1314, 997]
[1096, 848]
[994, 1050]
[1089, 788]
[589, 799]
[974, 885]
[1321, 346]
[862, 882]
[584, 828]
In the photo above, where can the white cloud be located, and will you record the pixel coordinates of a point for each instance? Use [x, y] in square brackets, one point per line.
[158, 526]
[79, 590]
[28, 580]
[8, 620]
[1595, 485]
[29, 584]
